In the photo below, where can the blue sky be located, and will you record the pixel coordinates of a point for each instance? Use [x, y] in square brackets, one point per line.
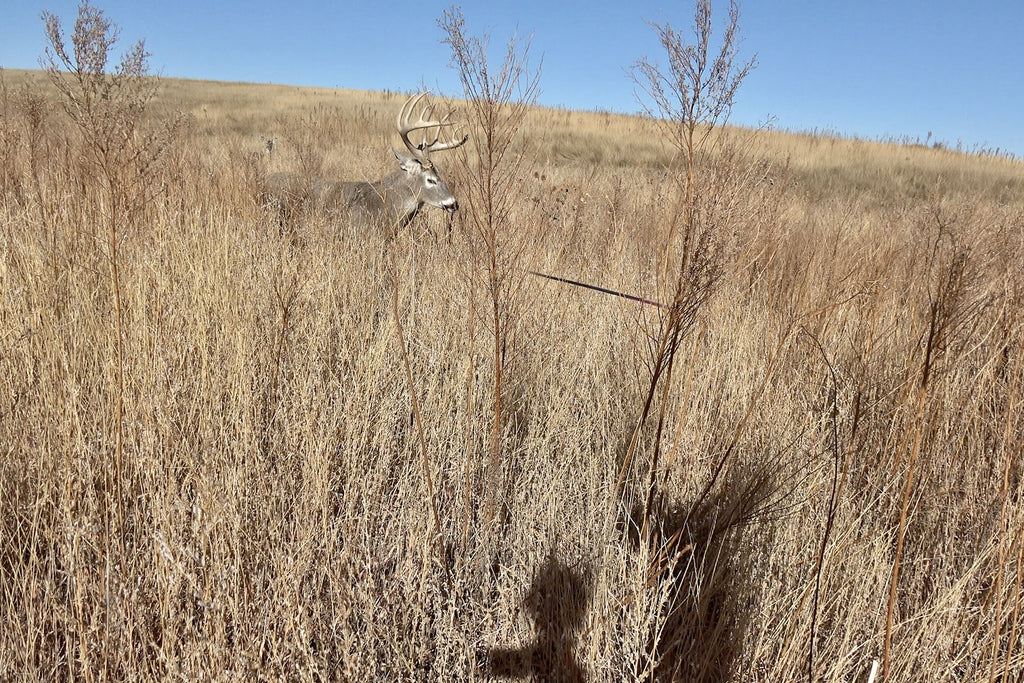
[869, 68]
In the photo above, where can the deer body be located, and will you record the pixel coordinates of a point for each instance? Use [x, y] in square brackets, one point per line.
[394, 201]
[391, 202]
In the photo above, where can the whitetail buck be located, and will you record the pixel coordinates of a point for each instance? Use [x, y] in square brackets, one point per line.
[391, 202]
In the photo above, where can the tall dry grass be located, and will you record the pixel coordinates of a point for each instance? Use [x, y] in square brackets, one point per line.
[839, 476]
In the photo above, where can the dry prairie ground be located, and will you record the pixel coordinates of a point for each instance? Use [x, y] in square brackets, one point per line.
[210, 467]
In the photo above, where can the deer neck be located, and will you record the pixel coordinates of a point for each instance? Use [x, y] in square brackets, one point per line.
[401, 197]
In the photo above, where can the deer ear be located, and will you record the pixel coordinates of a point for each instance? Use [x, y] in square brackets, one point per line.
[409, 164]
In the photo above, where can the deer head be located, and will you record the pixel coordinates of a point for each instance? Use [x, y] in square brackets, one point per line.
[429, 186]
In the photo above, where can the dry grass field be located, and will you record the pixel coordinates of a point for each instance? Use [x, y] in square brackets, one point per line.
[236, 450]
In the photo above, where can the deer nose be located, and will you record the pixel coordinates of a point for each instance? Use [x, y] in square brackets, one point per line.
[453, 205]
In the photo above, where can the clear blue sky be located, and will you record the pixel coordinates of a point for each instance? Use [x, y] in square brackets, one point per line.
[870, 68]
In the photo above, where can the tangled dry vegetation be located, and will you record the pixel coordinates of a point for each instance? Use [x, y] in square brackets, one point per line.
[231, 451]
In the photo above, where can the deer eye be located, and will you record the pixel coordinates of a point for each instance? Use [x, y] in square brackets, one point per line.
[431, 181]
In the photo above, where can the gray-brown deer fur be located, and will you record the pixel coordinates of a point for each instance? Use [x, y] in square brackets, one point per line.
[391, 202]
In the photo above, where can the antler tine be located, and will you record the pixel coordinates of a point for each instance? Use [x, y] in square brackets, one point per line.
[404, 127]
[456, 142]
[425, 118]
[433, 144]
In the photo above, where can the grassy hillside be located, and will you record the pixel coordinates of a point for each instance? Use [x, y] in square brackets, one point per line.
[211, 466]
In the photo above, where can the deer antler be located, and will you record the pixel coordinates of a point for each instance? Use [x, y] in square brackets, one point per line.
[425, 123]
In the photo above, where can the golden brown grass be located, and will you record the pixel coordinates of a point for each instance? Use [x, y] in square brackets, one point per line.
[858, 373]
